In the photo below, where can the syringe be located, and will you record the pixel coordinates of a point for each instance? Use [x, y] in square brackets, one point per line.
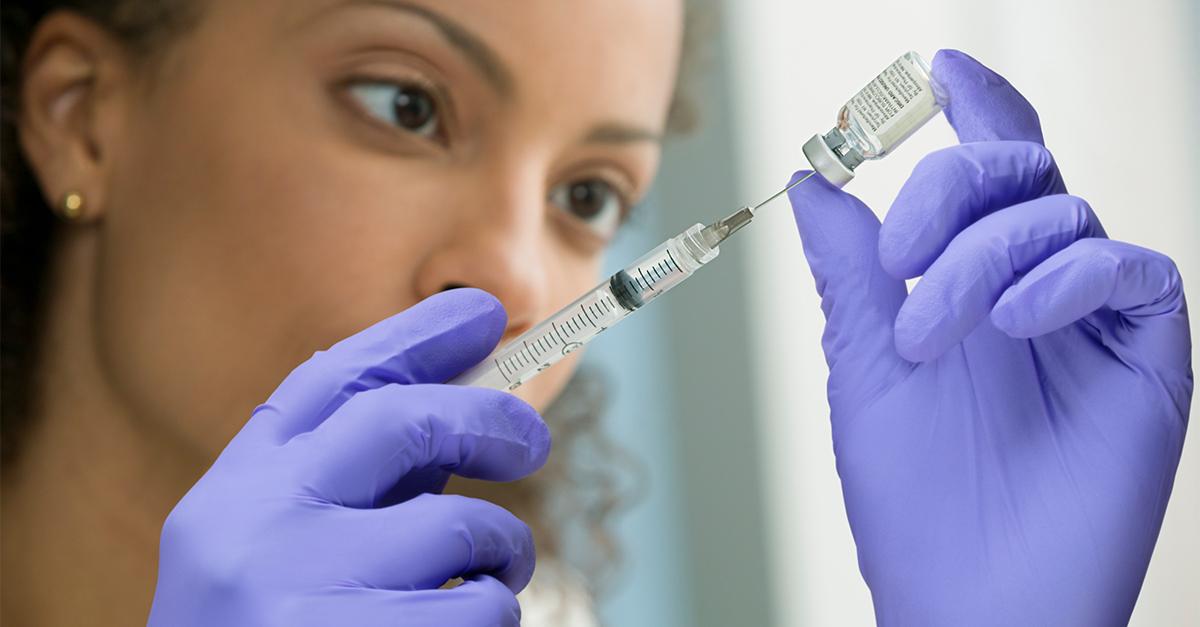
[610, 302]
[876, 120]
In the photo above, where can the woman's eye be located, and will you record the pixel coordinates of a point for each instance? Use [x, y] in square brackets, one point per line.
[593, 201]
[404, 105]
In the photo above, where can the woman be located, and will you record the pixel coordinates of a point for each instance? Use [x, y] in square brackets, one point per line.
[241, 184]
[233, 178]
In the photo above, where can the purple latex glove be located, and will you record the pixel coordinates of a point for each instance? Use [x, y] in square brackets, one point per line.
[323, 511]
[1007, 434]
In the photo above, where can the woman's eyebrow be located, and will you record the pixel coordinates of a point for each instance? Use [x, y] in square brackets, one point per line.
[620, 133]
[482, 56]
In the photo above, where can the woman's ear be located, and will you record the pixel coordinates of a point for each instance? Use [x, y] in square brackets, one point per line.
[75, 78]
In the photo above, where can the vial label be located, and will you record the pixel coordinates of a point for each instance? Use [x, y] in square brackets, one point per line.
[893, 105]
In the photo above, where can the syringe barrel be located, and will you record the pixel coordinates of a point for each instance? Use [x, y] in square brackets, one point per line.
[662, 268]
[601, 307]
[537, 349]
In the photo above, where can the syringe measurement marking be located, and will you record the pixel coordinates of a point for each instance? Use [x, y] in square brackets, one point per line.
[664, 266]
[529, 354]
[672, 258]
[586, 313]
[501, 369]
[643, 275]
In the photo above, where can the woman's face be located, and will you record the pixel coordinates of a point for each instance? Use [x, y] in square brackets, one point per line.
[301, 169]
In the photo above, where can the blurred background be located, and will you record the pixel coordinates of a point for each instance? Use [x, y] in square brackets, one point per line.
[741, 519]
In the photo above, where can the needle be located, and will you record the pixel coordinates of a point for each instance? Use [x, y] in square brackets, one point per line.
[784, 190]
[720, 230]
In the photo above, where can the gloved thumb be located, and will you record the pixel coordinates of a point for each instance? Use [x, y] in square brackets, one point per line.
[982, 105]
[840, 237]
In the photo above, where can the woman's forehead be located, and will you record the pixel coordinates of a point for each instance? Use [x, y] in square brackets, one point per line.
[601, 53]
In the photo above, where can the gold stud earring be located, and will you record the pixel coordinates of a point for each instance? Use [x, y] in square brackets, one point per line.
[71, 206]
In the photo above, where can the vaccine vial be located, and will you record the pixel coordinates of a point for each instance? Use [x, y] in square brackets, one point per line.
[876, 120]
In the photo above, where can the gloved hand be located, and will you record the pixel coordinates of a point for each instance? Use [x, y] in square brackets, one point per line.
[1007, 434]
[323, 511]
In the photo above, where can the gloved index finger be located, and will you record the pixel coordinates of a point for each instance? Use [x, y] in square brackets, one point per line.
[377, 440]
[952, 188]
[429, 342]
[980, 104]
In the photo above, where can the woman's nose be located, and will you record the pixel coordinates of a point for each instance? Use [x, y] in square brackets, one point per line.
[500, 256]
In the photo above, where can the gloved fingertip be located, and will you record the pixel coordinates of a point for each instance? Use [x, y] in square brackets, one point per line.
[1003, 315]
[472, 302]
[953, 55]
[950, 53]
[1010, 317]
[895, 255]
[803, 195]
[950, 65]
[520, 573]
[947, 64]
[477, 317]
[912, 350]
[498, 593]
[531, 432]
[799, 194]
[540, 442]
[916, 337]
[980, 104]
[798, 174]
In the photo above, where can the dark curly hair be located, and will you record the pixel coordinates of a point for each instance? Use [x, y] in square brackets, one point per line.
[579, 487]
